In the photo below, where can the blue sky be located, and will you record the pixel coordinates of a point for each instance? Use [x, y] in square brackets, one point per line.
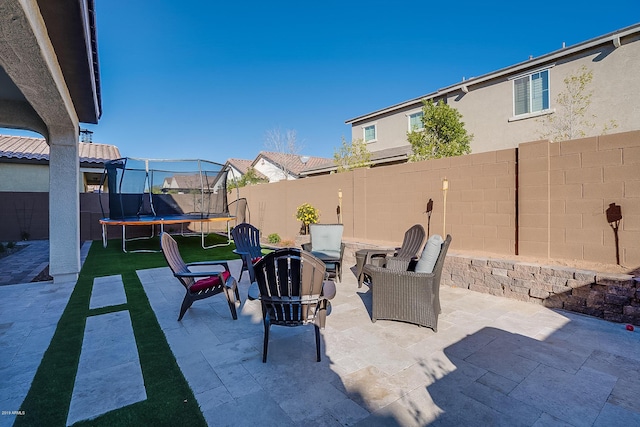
[208, 79]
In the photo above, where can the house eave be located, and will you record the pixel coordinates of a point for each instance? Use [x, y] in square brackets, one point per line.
[71, 26]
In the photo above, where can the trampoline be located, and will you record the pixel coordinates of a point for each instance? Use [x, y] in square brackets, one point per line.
[152, 193]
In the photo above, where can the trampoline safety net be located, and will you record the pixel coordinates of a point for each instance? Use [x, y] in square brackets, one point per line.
[165, 188]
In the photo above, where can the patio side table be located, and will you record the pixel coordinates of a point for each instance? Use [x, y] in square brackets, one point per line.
[370, 256]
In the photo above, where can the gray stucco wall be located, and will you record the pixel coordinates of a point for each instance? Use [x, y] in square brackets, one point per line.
[487, 108]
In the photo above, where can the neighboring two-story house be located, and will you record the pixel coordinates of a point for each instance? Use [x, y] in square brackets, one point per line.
[507, 107]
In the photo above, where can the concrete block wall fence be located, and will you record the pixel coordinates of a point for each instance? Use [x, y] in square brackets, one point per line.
[565, 190]
[543, 200]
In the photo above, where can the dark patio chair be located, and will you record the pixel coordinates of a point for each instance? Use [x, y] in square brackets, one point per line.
[407, 252]
[291, 287]
[410, 296]
[401, 258]
[247, 240]
[210, 284]
[326, 244]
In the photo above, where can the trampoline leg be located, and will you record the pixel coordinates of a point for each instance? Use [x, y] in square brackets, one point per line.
[104, 235]
[229, 240]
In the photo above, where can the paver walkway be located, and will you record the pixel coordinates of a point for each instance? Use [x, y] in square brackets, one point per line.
[109, 375]
[24, 265]
[109, 352]
[29, 314]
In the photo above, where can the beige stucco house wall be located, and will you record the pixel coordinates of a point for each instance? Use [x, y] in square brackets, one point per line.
[24, 164]
[24, 178]
[30, 178]
[487, 102]
[273, 165]
[269, 169]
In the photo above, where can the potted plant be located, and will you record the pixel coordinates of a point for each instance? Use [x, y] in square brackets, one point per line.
[307, 214]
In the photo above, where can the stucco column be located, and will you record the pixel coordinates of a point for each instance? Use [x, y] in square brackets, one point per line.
[64, 206]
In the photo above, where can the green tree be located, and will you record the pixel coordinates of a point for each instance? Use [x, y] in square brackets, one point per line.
[443, 133]
[571, 118]
[352, 155]
[249, 178]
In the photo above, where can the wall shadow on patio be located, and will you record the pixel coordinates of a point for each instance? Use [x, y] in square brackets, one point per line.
[585, 370]
[577, 375]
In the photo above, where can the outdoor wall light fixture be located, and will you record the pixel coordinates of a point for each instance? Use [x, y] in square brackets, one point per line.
[428, 212]
[614, 216]
[339, 208]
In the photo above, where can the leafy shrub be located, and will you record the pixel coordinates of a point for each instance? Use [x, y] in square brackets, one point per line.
[2, 249]
[11, 245]
[274, 238]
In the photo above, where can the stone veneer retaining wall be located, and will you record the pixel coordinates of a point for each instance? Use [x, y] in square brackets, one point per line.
[613, 297]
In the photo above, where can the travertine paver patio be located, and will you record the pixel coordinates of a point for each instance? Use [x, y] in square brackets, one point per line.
[493, 361]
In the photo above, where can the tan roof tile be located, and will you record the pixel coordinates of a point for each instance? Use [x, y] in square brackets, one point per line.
[292, 161]
[29, 148]
[243, 166]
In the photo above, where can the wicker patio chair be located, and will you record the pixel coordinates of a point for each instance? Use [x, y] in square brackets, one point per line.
[409, 296]
[247, 240]
[291, 287]
[326, 244]
[210, 284]
[398, 259]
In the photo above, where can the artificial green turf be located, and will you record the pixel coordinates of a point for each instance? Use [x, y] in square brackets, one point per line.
[169, 401]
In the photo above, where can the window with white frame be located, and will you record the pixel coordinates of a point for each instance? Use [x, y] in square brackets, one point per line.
[370, 133]
[415, 121]
[531, 93]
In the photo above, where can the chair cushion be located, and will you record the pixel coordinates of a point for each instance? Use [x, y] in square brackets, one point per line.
[326, 254]
[430, 254]
[209, 282]
[326, 238]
